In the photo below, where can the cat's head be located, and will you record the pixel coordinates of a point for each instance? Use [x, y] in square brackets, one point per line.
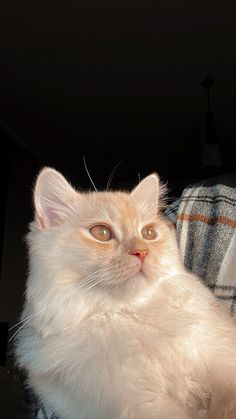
[112, 244]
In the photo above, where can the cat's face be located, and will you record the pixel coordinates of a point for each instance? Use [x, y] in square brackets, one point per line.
[111, 243]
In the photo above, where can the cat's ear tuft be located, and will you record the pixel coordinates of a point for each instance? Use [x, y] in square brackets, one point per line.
[53, 197]
[148, 193]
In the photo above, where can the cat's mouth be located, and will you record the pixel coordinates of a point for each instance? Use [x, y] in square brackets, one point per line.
[141, 269]
[134, 276]
[140, 273]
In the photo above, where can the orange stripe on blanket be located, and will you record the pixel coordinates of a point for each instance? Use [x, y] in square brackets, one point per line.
[207, 220]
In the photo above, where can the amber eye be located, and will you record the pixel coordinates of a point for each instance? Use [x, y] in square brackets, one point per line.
[149, 233]
[101, 233]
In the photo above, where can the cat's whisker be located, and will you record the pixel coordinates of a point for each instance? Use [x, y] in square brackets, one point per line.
[106, 289]
[18, 330]
[95, 280]
[190, 289]
[87, 281]
[116, 288]
[203, 297]
[24, 320]
[87, 171]
[98, 271]
[91, 281]
[112, 175]
[106, 282]
[207, 301]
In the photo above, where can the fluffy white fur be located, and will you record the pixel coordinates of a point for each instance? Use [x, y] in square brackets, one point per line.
[103, 339]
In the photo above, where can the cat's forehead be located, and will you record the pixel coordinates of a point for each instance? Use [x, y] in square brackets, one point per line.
[113, 205]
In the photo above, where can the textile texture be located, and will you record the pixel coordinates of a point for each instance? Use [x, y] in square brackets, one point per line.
[205, 218]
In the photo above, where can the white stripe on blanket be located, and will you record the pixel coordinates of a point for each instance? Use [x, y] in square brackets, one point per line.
[227, 274]
[185, 227]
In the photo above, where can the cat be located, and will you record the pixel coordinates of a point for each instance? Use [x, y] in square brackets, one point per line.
[114, 327]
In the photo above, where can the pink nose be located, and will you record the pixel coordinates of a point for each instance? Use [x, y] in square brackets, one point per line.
[141, 254]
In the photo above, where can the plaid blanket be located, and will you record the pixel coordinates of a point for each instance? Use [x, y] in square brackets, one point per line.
[205, 218]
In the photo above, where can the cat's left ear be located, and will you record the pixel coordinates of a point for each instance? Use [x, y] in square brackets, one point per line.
[148, 193]
[53, 198]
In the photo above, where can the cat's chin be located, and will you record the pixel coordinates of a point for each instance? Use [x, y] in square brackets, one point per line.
[138, 277]
[135, 283]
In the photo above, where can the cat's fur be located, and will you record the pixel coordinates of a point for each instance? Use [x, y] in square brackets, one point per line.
[104, 340]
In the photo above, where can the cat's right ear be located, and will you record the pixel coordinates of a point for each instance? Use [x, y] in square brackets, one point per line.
[53, 198]
[149, 194]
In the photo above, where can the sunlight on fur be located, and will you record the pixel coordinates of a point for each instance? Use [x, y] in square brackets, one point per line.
[113, 326]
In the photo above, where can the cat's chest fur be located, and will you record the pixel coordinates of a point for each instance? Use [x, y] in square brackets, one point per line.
[122, 355]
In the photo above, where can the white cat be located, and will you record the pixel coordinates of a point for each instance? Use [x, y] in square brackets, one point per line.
[114, 327]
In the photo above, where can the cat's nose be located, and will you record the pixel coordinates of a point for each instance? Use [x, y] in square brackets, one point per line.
[141, 254]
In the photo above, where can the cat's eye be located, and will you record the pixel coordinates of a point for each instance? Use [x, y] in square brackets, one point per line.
[149, 233]
[101, 233]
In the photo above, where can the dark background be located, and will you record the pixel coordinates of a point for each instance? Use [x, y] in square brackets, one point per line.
[112, 81]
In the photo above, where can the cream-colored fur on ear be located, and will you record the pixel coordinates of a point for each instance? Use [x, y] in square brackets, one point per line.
[150, 193]
[53, 197]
